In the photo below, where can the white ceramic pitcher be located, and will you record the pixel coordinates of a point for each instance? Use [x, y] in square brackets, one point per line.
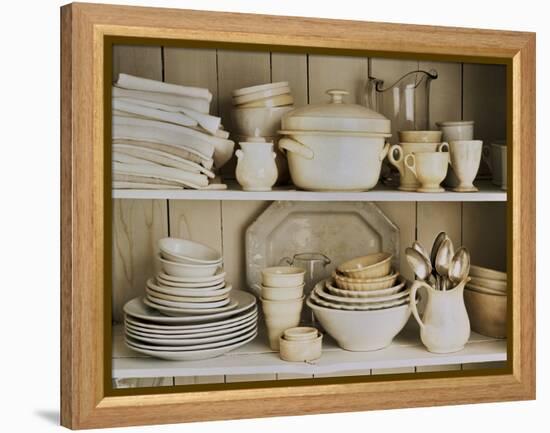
[256, 168]
[445, 326]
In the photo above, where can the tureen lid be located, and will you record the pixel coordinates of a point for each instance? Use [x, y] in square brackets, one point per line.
[336, 116]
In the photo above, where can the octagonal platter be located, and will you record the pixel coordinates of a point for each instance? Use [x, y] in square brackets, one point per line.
[340, 230]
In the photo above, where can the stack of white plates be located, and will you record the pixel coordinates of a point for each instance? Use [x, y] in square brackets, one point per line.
[191, 336]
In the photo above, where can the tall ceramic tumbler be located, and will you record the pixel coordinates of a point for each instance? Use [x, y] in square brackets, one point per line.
[279, 316]
[465, 156]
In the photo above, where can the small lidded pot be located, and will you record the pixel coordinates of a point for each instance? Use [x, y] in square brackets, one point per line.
[256, 168]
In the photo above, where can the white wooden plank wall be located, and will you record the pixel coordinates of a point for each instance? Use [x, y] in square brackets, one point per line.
[473, 92]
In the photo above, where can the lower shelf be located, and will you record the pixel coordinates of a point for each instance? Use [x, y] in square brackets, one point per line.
[257, 358]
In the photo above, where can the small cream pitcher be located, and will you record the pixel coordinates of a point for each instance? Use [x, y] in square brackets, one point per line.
[445, 326]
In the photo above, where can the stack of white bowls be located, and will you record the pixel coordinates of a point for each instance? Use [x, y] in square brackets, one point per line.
[189, 311]
[257, 113]
[485, 297]
[282, 294]
[364, 305]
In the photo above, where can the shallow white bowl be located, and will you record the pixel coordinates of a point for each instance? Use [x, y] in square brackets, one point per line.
[365, 284]
[370, 266]
[332, 288]
[362, 330]
[480, 271]
[187, 270]
[489, 283]
[187, 251]
[283, 276]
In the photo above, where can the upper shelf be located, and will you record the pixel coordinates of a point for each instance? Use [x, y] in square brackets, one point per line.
[487, 192]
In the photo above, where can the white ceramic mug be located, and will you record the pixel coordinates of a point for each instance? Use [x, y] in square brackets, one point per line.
[495, 156]
[429, 168]
[397, 154]
[465, 156]
[457, 130]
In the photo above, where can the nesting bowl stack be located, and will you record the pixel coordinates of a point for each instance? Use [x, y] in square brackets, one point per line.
[364, 305]
[486, 299]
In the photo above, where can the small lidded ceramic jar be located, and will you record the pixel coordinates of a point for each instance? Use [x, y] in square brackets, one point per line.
[256, 168]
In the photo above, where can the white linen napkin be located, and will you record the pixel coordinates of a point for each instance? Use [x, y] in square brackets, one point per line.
[197, 104]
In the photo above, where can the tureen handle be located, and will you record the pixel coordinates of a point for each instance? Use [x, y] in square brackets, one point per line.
[296, 147]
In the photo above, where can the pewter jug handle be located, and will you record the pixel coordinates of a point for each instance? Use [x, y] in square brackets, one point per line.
[412, 300]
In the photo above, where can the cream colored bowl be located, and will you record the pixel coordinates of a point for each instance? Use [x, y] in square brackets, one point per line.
[364, 293]
[258, 121]
[362, 330]
[480, 271]
[300, 350]
[487, 313]
[420, 136]
[187, 270]
[365, 284]
[489, 283]
[187, 251]
[283, 276]
[301, 333]
[371, 266]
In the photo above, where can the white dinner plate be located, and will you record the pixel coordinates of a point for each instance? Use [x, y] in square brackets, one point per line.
[197, 333]
[189, 348]
[194, 355]
[137, 308]
[322, 292]
[184, 302]
[357, 307]
[192, 341]
[193, 328]
[192, 286]
[184, 311]
[191, 299]
[219, 275]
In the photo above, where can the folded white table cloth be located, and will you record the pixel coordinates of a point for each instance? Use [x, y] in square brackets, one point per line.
[127, 81]
[140, 111]
[197, 104]
[182, 177]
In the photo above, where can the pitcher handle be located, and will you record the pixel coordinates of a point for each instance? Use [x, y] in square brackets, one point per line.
[412, 300]
[286, 261]
[396, 161]
[486, 156]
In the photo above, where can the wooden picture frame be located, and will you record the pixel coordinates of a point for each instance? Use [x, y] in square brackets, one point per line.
[85, 190]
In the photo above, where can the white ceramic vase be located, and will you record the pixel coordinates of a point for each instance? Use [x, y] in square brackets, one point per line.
[444, 326]
[465, 156]
[256, 168]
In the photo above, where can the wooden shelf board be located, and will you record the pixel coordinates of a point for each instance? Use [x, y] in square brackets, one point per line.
[257, 358]
[487, 192]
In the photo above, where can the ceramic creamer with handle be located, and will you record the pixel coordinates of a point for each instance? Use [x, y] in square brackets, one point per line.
[444, 326]
[256, 168]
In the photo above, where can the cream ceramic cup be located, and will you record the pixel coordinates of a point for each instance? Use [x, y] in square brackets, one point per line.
[465, 156]
[397, 154]
[279, 316]
[429, 168]
[495, 156]
[457, 130]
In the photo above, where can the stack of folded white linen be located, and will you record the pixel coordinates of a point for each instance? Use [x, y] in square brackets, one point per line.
[164, 138]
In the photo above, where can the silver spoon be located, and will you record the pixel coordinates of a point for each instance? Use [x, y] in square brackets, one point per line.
[459, 268]
[437, 243]
[418, 247]
[421, 267]
[443, 258]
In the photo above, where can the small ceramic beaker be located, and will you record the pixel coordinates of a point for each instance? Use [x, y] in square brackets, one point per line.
[457, 130]
[397, 154]
[280, 316]
[429, 168]
[495, 156]
[465, 156]
[256, 168]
